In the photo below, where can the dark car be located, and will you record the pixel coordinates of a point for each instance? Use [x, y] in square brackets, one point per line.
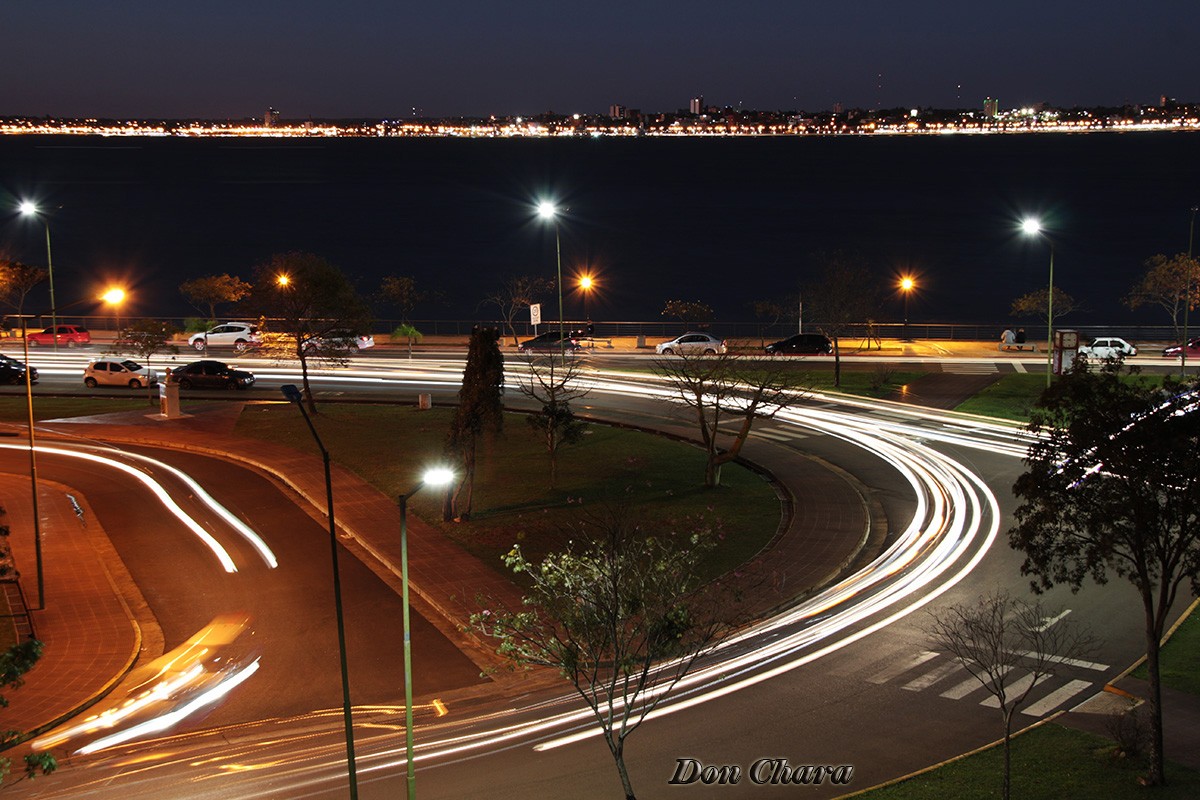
[806, 343]
[549, 342]
[211, 375]
[13, 371]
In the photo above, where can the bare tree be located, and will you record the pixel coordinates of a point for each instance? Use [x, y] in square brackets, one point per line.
[1010, 647]
[619, 614]
[730, 386]
[553, 383]
[146, 338]
[846, 294]
[517, 293]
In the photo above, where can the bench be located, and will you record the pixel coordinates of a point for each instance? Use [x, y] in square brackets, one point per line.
[1015, 341]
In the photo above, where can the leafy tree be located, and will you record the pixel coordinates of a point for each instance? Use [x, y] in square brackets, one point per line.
[479, 413]
[688, 311]
[1112, 486]
[1034, 304]
[517, 293]
[618, 615]
[846, 294]
[214, 290]
[739, 387]
[14, 663]
[553, 383]
[998, 638]
[307, 305]
[17, 280]
[401, 291]
[146, 338]
[1170, 282]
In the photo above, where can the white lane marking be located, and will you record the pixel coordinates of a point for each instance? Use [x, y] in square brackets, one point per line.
[1056, 698]
[885, 675]
[1015, 689]
[1049, 622]
[959, 691]
[932, 677]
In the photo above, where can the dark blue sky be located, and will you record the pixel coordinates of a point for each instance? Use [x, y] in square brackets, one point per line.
[383, 58]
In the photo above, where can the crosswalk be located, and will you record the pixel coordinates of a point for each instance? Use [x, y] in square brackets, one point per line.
[928, 670]
[970, 367]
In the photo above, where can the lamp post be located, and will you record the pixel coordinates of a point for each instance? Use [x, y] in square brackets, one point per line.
[1187, 298]
[1033, 227]
[114, 297]
[907, 284]
[30, 209]
[435, 477]
[292, 394]
[547, 210]
[33, 479]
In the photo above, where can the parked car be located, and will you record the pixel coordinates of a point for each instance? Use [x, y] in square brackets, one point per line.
[692, 343]
[238, 335]
[1104, 347]
[118, 373]
[548, 342]
[810, 343]
[13, 371]
[340, 340]
[70, 335]
[211, 375]
[1176, 350]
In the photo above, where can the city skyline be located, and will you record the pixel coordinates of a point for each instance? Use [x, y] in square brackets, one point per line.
[227, 60]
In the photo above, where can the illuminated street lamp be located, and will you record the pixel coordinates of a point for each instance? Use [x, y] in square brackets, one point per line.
[549, 211]
[30, 209]
[283, 279]
[115, 297]
[293, 395]
[1033, 227]
[439, 476]
[907, 284]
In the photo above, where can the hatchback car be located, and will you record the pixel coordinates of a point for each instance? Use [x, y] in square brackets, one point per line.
[118, 373]
[692, 343]
[549, 342]
[1176, 350]
[238, 335]
[802, 343]
[211, 375]
[1107, 347]
[13, 371]
[69, 335]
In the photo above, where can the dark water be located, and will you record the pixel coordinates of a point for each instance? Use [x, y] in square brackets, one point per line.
[723, 221]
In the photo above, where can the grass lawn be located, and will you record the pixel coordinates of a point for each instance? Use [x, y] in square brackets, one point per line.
[1179, 663]
[658, 480]
[878, 382]
[1049, 763]
[14, 409]
[1011, 397]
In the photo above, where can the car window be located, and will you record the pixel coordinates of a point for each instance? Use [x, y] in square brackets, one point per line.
[100, 366]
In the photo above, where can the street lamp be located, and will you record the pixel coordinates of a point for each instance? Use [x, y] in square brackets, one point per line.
[907, 284]
[547, 210]
[1033, 227]
[114, 297]
[292, 394]
[438, 476]
[30, 209]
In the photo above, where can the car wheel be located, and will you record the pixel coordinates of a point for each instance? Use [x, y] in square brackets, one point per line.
[198, 345]
[185, 383]
[134, 383]
[32, 342]
[667, 351]
[71, 343]
[240, 345]
[90, 383]
[708, 351]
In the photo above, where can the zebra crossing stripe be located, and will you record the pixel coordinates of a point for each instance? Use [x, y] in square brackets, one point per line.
[959, 691]
[1015, 689]
[930, 678]
[896, 668]
[1056, 698]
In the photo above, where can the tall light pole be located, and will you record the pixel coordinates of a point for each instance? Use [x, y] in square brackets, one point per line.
[114, 297]
[907, 284]
[585, 285]
[33, 478]
[547, 210]
[1187, 298]
[293, 395]
[1033, 227]
[435, 477]
[30, 209]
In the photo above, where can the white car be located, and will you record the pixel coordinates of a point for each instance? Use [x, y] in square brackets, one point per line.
[1107, 347]
[118, 373]
[238, 335]
[692, 343]
[340, 341]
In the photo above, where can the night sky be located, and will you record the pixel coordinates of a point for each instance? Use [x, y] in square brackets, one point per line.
[384, 59]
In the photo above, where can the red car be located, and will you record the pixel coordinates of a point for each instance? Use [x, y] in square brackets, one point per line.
[69, 335]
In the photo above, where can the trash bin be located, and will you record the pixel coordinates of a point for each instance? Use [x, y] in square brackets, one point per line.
[641, 340]
[424, 402]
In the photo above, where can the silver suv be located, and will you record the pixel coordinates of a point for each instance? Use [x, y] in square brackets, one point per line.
[238, 335]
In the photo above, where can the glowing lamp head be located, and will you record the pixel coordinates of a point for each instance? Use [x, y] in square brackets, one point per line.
[438, 476]
[907, 284]
[547, 210]
[1031, 226]
[28, 208]
[585, 283]
[114, 297]
[283, 280]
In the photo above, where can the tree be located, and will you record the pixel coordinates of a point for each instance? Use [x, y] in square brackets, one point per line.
[1034, 304]
[1170, 282]
[214, 290]
[742, 388]
[479, 413]
[146, 338]
[619, 615]
[770, 313]
[17, 280]
[553, 383]
[14, 663]
[1112, 486]
[518, 292]
[846, 294]
[688, 311]
[1009, 646]
[401, 291]
[307, 306]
